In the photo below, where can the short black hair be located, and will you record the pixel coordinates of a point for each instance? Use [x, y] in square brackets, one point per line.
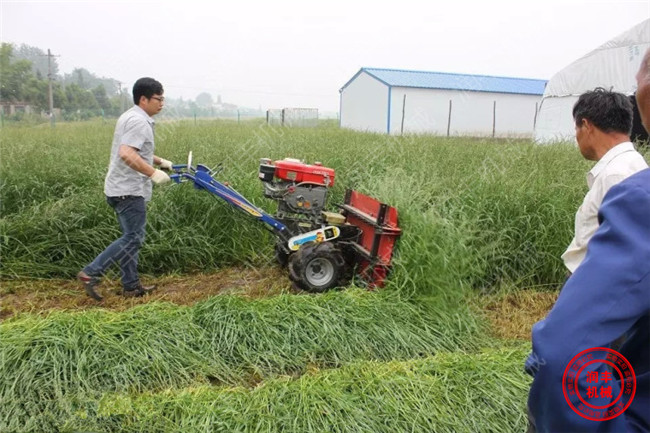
[608, 111]
[638, 134]
[146, 87]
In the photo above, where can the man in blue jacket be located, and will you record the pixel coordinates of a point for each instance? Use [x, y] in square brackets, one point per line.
[607, 297]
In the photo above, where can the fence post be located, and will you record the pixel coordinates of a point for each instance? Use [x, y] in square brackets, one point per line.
[494, 118]
[403, 110]
[449, 119]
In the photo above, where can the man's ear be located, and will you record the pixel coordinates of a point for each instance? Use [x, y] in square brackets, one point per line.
[588, 126]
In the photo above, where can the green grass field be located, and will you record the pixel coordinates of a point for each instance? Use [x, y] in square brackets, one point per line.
[476, 212]
[479, 217]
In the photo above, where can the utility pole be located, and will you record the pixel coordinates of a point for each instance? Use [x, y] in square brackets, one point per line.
[119, 83]
[50, 77]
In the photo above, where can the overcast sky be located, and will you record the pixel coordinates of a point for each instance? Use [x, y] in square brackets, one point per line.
[285, 53]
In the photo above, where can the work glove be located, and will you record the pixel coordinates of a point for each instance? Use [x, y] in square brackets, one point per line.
[165, 164]
[159, 177]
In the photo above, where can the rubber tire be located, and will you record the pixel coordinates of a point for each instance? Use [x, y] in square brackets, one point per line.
[292, 267]
[299, 266]
[281, 257]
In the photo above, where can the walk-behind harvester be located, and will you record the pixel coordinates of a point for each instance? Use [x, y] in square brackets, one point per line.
[321, 249]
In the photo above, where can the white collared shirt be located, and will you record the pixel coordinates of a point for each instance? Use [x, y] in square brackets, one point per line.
[134, 128]
[620, 162]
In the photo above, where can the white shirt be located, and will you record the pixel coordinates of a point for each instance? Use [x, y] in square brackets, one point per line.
[135, 128]
[620, 162]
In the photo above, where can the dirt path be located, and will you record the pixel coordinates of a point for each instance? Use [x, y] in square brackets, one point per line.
[41, 296]
[511, 316]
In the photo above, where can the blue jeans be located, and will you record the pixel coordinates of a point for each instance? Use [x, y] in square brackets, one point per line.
[132, 214]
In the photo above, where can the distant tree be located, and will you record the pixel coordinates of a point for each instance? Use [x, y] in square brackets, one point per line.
[87, 80]
[80, 77]
[101, 97]
[112, 86]
[116, 105]
[38, 57]
[36, 93]
[204, 100]
[58, 95]
[24, 78]
[79, 99]
[13, 74]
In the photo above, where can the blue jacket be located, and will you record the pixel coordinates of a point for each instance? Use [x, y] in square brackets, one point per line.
[608, 296]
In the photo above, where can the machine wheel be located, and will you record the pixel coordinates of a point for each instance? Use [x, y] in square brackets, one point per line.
[281, 257]
[317, 267]
[292, 267]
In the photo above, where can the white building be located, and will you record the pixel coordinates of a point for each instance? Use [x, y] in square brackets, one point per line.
[398, 101]
[613, 66]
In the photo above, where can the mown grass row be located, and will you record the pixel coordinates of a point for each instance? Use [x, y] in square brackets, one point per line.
[449, 392]
[474, 212]
[225, 340]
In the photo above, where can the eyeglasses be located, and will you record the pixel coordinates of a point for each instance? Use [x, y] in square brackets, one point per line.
[158, 98]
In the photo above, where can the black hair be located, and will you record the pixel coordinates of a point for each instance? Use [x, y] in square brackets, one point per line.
[608, 111]
[146, 87]
[638, 134]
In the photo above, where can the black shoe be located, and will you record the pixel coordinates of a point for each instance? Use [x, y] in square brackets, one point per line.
[138, 291]
[89, 284]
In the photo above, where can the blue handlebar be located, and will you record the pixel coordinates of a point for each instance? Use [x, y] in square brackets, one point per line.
[203, 180]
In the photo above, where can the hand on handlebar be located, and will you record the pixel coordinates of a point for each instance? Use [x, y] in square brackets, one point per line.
[165, 164]
[159, 177]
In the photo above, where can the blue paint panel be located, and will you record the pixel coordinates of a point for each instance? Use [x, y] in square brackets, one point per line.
[446, 81]
[203, 180]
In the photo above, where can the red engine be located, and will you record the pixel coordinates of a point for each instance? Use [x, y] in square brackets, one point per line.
[299, 188]
[367, 229]
[293, 170]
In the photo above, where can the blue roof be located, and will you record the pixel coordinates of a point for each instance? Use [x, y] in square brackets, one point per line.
[442, 80]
